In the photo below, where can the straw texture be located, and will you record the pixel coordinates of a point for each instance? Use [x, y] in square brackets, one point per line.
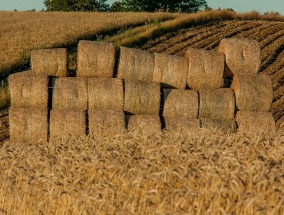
[95, 59]
[145, 125]
[136, 64]
[226, 126]
[253, 92]
[205, 69]
[182, 124]
[105, 94]
[52, 62]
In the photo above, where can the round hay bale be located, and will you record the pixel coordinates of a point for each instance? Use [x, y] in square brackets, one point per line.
[28, 124]
[205, 70]
[225, 126]
[106, 123]
[217, 104]
[136, 64]
[170, 70]
[95, 59]
[261, 123]
[52, 62]
[105, 94]
[181, 103]
[253, 92]
[142, 97]
[242, 56]
[182, 124]
[145, 125]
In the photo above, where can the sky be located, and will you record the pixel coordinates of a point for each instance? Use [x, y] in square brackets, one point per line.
[238, 5]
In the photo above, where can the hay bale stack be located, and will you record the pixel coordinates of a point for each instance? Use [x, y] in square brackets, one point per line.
[242, 56]
[142, 97]
[28, 124]
[255, 123]
[170, 70]
[106, 122]
[253, 92]
[136, 64]
[217, 104]
[181, 103]
[182, 124]
[105, 94]
[226, 126]
[146, 125]
[205, 69]
[67, 123]
[95, 59]
[28, 90]
[70, 93]
[52, 62]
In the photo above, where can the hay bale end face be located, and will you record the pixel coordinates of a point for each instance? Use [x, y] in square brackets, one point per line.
[225, 126]
[70, 93]
[142, 97]
[28, 90]
[105, 94]
[95, 59]
[182, 124]
[205, 70]
[136, 64]
[181, 103]
[170, 70]
[253, 92]
[52, 62]
[146, 125]
[28, 124]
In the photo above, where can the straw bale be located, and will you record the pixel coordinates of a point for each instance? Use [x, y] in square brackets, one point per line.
[182, 124]
[70, 93]
[181, 103]
[105, 94]
[67, 123]
[205, 69]
[255, 123]
[52, 62]
[28, 90]
[170, 70]
[226, 126]
[106, 122]
[217, 104]
[146, 125]
[142, 97]
[136, 64]
[253, 92]
[95, 59]
[28, 124]
[242, 56]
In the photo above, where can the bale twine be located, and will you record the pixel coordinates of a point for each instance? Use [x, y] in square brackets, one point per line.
[28, 124]
[142, 97]
[170, 70]
[225, 126]
[253, 92]
[255, 123]
[136, 64]
[70, 93]
[242, 55]
[181, 103]
[95, 59]
[106, 123]
[67, 123]
[105, 94]
[182, 124]
[146, 125]
[28, 90]
[205, 69]
[52, 62]
[217, 104]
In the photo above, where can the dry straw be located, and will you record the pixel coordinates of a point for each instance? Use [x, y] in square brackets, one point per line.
[181, 103]
[70, 93]
[182, 124]
[67, 123]
[105, 94]
[28, 90]
[255, 123]
[217, 104]
[145, 125]
[28, 124]
[136, 64]
[226, 126]
[106, 123]
[170, 70]
[205, 69]
[142, 97]
[95, 59]
[253, 92]
[242, 55]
